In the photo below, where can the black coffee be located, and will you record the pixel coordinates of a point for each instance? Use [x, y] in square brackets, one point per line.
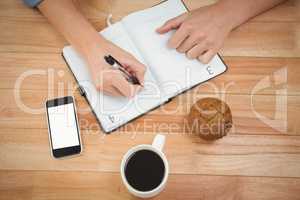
[144, 170]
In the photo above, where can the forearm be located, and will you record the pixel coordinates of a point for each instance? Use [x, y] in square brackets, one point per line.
[239, 11]
[67, 19]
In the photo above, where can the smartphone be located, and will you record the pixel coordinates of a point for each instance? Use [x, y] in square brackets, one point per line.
[64, 134]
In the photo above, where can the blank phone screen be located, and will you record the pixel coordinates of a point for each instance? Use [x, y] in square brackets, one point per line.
[63, 126]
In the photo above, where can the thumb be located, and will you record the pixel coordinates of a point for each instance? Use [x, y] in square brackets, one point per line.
[171, 24]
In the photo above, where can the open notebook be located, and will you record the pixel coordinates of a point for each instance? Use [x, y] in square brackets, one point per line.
[168, 73]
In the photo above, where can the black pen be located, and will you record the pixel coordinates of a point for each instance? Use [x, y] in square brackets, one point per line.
[116, 64]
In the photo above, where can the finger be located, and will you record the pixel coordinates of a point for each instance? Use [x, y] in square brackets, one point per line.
[179, 36]
[171, 24]
[197, 51]
[107, 89]
[128, 69]
[123, 86]
[134, 90]
[136, 68]
[103, 84]
[206, 57]
[189, 43]
[111, 91]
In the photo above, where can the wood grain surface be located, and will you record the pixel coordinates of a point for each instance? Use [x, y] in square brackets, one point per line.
[259, 159]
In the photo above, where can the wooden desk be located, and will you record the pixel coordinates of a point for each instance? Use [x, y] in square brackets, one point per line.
[260, 159]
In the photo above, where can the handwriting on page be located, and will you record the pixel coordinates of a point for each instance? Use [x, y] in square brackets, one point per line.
[112, 118]
[209, 70]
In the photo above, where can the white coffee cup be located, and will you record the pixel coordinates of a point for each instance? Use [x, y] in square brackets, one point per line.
[156, 147]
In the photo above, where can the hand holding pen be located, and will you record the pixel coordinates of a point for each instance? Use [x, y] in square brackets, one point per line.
[108, 79]
[117, 65]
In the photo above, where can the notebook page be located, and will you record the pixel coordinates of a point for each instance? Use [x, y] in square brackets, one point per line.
[114, 111]
[174, 71]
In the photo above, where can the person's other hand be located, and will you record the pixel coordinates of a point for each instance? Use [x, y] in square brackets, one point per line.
[200, 34]
[111, 81]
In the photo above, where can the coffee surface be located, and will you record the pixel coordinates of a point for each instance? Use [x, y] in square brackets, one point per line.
[145, 170]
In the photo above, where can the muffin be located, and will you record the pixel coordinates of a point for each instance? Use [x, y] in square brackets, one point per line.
[210, 118]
